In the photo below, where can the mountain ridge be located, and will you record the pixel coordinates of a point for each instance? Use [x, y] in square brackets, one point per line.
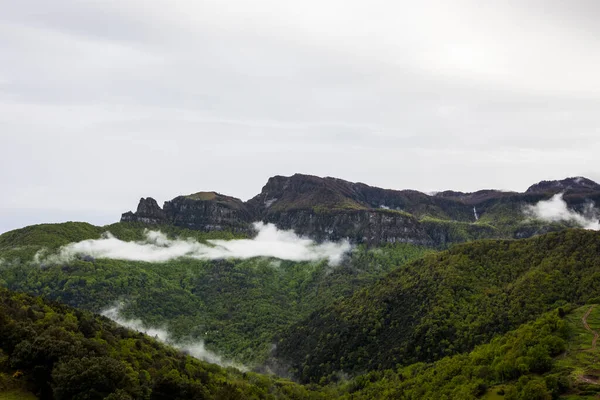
[332, 209]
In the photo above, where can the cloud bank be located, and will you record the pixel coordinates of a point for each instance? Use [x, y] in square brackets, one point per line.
[195, 349]
[157, 247]
[556, 209]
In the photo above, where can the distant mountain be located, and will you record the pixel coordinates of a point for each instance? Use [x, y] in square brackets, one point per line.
[332, 209]
[569, 185]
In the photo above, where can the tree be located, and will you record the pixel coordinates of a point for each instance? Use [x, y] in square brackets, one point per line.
[91, 378]
[535, 390]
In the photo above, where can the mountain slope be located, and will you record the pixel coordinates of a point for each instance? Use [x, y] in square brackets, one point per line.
[444, 304]
[518, 365]
[234, 306]
[64, 353]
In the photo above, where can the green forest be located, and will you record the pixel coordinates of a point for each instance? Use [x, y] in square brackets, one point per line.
[490, 319]
[234, 306]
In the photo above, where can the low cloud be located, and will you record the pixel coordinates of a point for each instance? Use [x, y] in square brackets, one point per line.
[195, 349]
[556, 209]
[157, 247]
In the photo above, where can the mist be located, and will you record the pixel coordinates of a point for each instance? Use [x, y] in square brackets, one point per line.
[556, 209]
[195, 349]
[157, 247]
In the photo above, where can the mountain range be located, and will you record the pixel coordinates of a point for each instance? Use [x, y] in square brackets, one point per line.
[333, 209]
[484, 295]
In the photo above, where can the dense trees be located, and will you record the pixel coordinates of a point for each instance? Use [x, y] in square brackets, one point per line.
[235, 306]
[445, 304]
[516, 359]
[454, 325]
[62, 353]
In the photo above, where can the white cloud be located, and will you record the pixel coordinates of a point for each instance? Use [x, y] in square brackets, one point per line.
[195, 349]
[556, 209]
[157, 247]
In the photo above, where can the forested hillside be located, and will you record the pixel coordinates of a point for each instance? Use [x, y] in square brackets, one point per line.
[444, 304]
[51, 351]
[234, 306]
[553, 357]
[391, 321]
[57, 352]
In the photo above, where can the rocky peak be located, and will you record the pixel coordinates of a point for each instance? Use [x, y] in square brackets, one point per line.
[578, 183]
[331, 209]
[305, 192]
[148, 211]
[205, 211]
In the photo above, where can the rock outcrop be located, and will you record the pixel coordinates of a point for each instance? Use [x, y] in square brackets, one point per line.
[147, 212]
[206, 211]
[332, 209]
[359, 226]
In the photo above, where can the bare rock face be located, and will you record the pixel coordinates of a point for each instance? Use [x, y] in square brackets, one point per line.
[359, 226]
[334, 209]
[206, 211]
[209, 211]
[148, 212]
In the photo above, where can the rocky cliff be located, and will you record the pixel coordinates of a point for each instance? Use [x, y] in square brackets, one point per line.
[207, 211]
[332, 209]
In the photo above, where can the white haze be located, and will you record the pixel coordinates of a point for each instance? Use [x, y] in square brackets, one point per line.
[195, 349]
[157, 247]
[556, 209]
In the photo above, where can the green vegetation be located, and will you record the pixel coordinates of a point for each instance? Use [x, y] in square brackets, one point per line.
[518, 364]
[17, 394]
[444, 304]
[491, 319]
[58, 352]
[235, 306]
[52, 236]
[205, 196]
[49, 235]
[549, 358]
[446, 233]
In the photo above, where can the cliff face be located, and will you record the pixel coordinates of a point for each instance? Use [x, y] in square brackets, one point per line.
[147, 212]
[206, 211]
[359, 226]
[333, 209]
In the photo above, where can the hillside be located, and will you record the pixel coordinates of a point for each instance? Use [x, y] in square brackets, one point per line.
[355, 300]
[234, 306]
[50, 351]
[57, 352]
[332, 209]
[444, 304]
[553, 357]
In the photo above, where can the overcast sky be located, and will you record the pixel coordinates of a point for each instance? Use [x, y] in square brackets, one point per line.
[103, 102]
